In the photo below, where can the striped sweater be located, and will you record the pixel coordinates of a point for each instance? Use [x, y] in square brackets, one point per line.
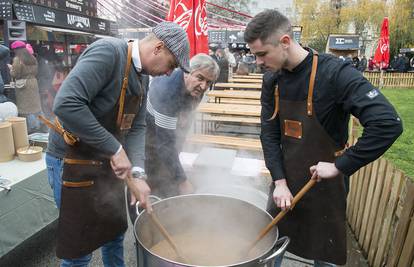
[168, 110]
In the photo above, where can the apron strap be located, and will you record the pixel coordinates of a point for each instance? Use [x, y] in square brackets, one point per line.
[276, 104]
[121, 100]
[69, 138]
[312, 82]
[82, 162]
[310, 90]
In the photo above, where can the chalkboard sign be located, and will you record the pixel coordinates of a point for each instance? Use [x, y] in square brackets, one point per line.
[86, 7]
[6, 9]
[58, 18]
[217, 36]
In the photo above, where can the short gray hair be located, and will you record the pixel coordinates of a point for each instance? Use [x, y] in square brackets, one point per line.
[204, 61]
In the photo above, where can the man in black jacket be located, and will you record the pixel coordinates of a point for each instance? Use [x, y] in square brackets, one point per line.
[307, 100]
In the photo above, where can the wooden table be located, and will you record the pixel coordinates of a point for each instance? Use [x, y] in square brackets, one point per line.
[243, 80]
[230, 109]
[250, 76]
[236, 94]
[251, 86]
[214, 114]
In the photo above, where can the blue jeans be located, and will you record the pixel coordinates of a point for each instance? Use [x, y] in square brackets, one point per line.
[112, 252]
[317, 263]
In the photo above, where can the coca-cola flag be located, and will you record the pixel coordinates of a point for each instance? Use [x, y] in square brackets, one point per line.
[382, 54]
[192, 16]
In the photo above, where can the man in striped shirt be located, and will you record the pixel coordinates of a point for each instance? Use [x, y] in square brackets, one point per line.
[171, 100]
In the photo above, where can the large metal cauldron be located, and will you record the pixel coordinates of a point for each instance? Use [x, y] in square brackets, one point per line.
[203, 218]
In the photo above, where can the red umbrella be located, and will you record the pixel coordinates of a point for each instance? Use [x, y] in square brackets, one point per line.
[382, 54]
[192, 16]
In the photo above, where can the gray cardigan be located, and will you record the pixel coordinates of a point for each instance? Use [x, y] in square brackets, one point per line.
[90, 91]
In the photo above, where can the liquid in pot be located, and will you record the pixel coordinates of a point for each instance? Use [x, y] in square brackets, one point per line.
[208, 249]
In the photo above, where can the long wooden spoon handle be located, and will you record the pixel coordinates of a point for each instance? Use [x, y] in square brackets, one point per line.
[282, 213]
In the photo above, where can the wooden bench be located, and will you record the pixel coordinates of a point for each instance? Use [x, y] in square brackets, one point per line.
[226, 141]
[233, 119]
[229, 109]
[245, 80]
[247, 86]
[235, 94]
[237, 101]
[210, 123]
[249, 76]
[235, 97]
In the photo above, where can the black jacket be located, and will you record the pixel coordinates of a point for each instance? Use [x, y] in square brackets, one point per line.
[340, 90]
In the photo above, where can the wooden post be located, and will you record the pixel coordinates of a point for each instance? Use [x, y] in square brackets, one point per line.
[401, 239]
[386, 190]
[384, 240]
[373, 214]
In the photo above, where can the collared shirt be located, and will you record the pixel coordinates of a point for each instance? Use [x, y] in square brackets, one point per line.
[135, 56]
[136, 60]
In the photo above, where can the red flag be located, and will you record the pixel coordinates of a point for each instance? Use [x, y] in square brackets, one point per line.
[192, 16]
[382, 54]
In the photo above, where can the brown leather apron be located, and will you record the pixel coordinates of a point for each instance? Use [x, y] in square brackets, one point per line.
[92, 210]
[316, 225]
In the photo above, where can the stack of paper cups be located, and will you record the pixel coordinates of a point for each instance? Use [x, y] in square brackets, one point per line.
[6, 142]
[20, 135]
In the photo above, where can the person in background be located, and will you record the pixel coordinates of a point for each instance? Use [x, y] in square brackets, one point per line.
[24, 71]
[170, 105]
[393, 63]
[231, 59]
[242, 69]
[223, 63]
[307, 99]
[45, 75]
[7, 108]
[401, 66]
[362, 66]
[355, 62]
[4, 69]
[371, 64]
[250, 61]
[238, 57]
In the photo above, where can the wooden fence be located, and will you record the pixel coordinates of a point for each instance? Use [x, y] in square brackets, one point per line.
[391, 80]
[380, 213]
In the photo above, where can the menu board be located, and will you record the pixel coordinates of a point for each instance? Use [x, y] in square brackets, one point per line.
[217, 36]
[5, 9]
[86, 7]
[59, 18]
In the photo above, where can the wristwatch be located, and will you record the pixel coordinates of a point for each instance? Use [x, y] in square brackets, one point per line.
[139, 173]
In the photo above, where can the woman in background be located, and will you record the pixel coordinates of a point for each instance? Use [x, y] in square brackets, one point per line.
[24, 71]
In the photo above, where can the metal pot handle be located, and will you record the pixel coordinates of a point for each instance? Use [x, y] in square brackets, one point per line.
[280, 251]
[155, 198]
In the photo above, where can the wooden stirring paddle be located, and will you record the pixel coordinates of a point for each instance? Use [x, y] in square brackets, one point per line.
[282, 213]
[168, 237]
[157, 223]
